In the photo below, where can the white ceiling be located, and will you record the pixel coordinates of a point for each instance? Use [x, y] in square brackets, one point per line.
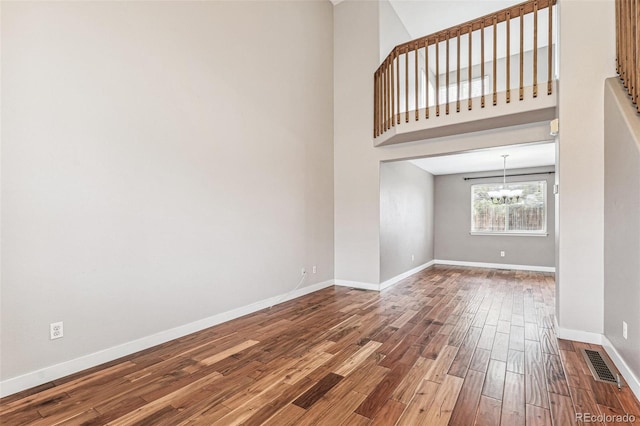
[418, 15]
[423, 17]
[520, 156]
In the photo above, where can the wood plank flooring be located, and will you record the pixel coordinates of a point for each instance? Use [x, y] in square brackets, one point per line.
[457, 346]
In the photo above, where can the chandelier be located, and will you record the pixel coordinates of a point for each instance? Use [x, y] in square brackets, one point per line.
[504, 195]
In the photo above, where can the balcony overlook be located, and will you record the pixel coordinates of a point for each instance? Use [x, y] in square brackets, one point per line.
[494, 71]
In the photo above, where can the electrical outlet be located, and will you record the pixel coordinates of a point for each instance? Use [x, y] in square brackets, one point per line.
[624, 329]
[314, 270]
[56, 330]
[303, 271]
[502, 253]
[413, 258]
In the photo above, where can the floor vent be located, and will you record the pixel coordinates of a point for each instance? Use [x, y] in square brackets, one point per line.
[601, 369]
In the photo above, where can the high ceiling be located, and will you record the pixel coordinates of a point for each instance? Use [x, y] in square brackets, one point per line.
[520, 156]
[418, 15]
[423, 17]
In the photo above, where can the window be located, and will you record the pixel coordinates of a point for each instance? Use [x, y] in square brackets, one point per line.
[476, 89]
[527, 215]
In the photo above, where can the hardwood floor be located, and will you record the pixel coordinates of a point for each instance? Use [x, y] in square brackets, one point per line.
[456, 346]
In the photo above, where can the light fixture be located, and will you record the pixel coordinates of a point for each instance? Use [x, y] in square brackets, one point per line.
[505, 195]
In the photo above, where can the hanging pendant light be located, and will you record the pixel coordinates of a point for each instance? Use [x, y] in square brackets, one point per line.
[505, 195]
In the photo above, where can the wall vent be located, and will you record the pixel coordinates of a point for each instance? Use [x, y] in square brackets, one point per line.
[601, 369]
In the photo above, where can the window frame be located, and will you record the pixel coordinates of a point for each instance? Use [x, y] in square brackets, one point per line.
[507, 232]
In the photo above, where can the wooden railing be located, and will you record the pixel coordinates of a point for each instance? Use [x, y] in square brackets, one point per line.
[628, 46]
[411, 77]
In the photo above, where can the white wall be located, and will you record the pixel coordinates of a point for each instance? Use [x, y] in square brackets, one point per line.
[357, 162]
[622, 224]
[406, 218]
[587, 57]
[162, 162]
[392, 31]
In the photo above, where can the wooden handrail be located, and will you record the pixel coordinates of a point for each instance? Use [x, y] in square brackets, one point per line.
[475, 24]
[628, 47]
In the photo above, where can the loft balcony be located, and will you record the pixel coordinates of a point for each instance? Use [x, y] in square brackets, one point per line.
[493, 71]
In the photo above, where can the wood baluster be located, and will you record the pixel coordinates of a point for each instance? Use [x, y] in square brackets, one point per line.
[550, 50]
[495, 60]
[482, 63]
[393, 104]
[437, 77]
[508, 64]
[625, 54]
[378, 100]
[521, 53]
[375, 104]
[406, 85]
[535, 49]
[629, 46]
[634, 50]
[416, 80]
[631, 49]
[629, 57]
[623, 37]
[617, 4]
[387, 125]
[380, 119]
[470, 67]
[379, 106]
[458, 72]
[384, 96]
[398, 85]
[623, 41]
[628, 67]
[446, 108]
[389, 93]
[629, 61]
[636, 71]
[426, 74]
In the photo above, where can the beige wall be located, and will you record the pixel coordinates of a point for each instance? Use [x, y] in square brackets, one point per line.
[162, 162]
[391, 29]
[406, 218]
[587, 57]
[622, 223]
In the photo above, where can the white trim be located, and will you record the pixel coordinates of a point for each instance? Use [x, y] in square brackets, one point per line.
[599, 339]
[496, 265]
[398, 278]
[520, 233]
[53, 372]
[577, 335]
[357, 284]
[631, 379]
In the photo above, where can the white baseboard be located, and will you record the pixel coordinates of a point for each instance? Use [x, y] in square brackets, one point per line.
[47, 374]
[398, 278]
[357, 284]
[632, 380]
[577, 335]
[600, 339]
[496, 265]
